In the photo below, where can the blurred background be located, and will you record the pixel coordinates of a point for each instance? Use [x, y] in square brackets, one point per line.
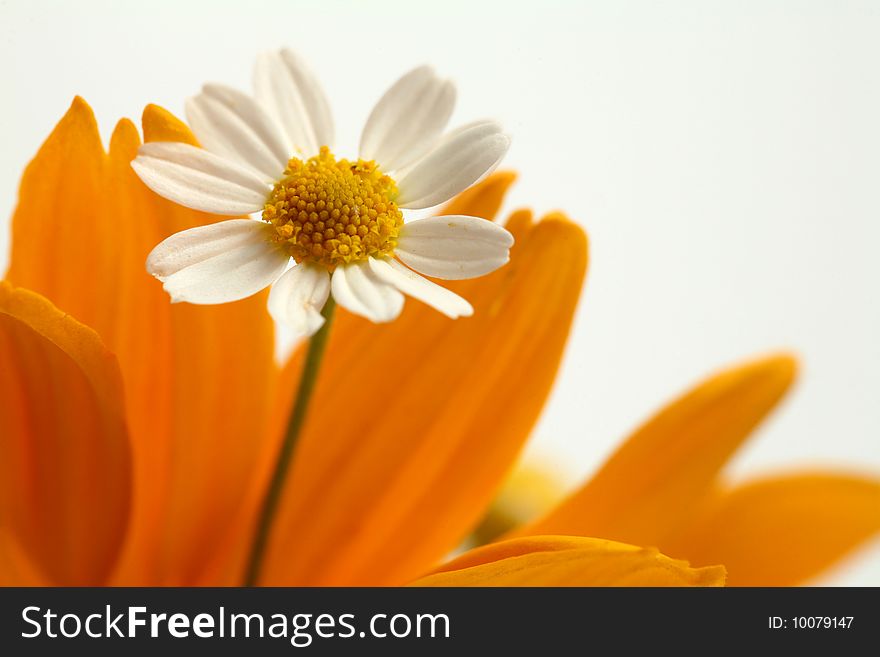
[724, 158]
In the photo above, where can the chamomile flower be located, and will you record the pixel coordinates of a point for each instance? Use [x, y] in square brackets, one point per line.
[339, 221]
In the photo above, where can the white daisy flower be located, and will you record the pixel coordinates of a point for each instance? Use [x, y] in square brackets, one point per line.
[339, 221]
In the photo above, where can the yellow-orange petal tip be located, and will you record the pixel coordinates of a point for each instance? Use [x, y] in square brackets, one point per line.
[161, 125]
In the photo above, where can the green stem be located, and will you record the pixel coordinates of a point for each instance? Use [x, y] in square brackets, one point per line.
[309, 375]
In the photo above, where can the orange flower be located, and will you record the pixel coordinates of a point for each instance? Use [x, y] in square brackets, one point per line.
[141, 433]
[138, 436]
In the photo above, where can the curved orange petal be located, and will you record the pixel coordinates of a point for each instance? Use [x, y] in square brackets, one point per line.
[784, 530]
[661, 473]
[65, 475]
[227, 566]
[198, 379]
[161, 125]
[482, 200]
[568, 561]
[414, 424]
[16, 566]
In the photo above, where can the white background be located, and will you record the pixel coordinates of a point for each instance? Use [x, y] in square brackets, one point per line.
[724, 157]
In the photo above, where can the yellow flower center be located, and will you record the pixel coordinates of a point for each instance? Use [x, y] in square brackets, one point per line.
[333, 212]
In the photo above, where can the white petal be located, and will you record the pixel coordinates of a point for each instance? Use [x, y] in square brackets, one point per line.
[198, 179]
[232, 125]
[409, 282]
[453, 165]
[357, 289]
[292, 95]
[454, 247]
[408, 119]
[297, 298]
[221, 262]
[401, 172]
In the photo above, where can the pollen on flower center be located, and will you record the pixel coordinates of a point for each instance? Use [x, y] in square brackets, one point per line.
[332, 212]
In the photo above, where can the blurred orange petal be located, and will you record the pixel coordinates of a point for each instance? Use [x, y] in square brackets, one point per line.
[569, 561]
[782, 531]
[653, 483]
[65, 475]
[482, 200]
[16, 566]
[415, 423]
[81, 234]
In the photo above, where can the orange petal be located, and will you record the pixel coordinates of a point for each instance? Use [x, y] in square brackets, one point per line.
[483, 200]
[16, 566]
[198, 379]
[569, 561]
[415, 423]
[65, 475]
[656, 479]
[782, 531]
[161, 125]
